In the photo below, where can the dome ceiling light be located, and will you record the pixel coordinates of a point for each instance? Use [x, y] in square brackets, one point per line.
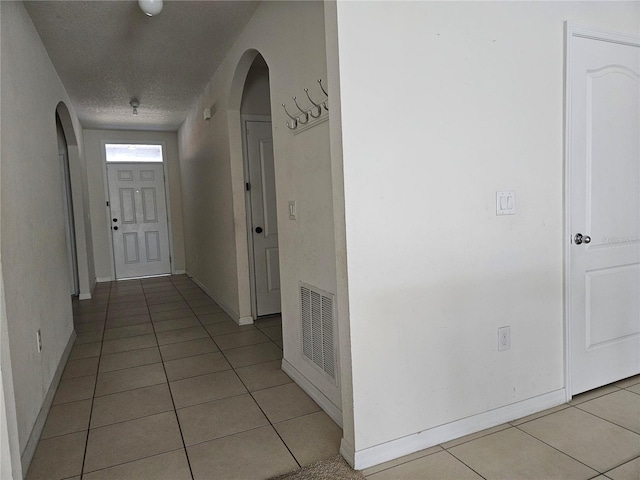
[150, 7]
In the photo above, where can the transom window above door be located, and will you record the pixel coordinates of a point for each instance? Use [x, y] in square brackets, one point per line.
[123, 152]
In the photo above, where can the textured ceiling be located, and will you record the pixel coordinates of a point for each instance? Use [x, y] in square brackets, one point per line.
[108, 52]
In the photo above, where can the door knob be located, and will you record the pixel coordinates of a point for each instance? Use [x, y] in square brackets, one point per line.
[115, 228]
[115, 219]
[579, 239]
[258, 229]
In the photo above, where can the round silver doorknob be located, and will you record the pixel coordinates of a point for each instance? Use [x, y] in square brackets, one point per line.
[579, 239]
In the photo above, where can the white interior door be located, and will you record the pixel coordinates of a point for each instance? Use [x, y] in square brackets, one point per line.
[604, 255]
[264, 218]
[138, 219]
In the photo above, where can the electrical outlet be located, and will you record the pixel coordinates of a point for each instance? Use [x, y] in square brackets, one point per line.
[39, 341]
[504, 338]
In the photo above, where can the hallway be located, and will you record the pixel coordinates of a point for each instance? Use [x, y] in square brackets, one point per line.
[162, 384]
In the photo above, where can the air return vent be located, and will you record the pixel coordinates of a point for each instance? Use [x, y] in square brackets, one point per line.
[318, 328]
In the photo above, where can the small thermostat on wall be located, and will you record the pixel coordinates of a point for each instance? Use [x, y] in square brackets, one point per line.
[506, 203]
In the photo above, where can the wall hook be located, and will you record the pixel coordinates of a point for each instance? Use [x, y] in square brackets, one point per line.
[294, 124]
[303, 112]
[315, 105]
[325, 92]
[307, 117]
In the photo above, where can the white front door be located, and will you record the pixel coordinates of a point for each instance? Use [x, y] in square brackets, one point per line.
[264, 218]
[138, 219]
[603, 154]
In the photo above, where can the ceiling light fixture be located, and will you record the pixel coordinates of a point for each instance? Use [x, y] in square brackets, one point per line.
[150, 7]
[134, 104]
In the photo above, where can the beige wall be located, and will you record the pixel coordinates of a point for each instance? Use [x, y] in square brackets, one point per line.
[98, 196]
[442, 105]
[212, 169]
[34, 256]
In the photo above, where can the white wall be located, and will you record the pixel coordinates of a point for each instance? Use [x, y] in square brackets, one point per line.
[34, 256]
[98, 196]
[442, 105]
[212, 169]
[256, 94]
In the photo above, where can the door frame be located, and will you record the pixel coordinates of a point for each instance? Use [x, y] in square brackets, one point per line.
[245, 118]
[107, 209]
[70, 222]
[574, 30]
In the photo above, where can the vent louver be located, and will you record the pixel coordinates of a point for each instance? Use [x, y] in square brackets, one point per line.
[317, 328]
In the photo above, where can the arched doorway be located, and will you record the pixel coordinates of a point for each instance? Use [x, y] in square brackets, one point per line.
[73, 195]
[67, 205]
[260, 191]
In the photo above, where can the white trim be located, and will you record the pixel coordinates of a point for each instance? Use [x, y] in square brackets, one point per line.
[179, 272]
[310, 389]
[104, 279]
[229, 311]
[574, 30]
[244, 118]
[347, 451]
[36, 432]
[167, 194]
[84, 296]
[400, 447]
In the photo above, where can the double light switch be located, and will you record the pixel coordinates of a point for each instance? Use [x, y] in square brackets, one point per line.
[506, 203]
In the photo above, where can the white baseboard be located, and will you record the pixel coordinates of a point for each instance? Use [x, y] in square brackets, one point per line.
[311, 390]
[400, 447]
[229, 311]
[104, 279]
[245, 320]
[179, 272]
[84, 296]
[36, 431]
[347, 451]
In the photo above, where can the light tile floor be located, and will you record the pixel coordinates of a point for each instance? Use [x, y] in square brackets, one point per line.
[596, 435]
[162, 384]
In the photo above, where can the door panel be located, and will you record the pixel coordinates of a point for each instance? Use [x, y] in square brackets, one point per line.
[604, 165]
[138, 210]
[264, 217]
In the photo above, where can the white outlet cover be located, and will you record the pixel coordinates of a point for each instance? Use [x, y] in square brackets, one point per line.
[504, 338]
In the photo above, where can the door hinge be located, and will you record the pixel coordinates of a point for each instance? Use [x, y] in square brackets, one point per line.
[247, 186]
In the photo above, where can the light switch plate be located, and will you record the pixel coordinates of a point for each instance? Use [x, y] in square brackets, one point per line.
[506, 203]
[293, 211]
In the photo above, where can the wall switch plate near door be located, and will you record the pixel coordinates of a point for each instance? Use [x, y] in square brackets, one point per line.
[293, 210]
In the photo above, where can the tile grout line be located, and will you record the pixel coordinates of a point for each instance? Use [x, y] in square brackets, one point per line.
[558, 450]
[245, 386]
[465, 464]
[605, 419]
[209, 334]
[95, 386]
[175, 411]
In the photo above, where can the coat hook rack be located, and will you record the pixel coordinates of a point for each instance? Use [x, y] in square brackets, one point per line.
[310, 116]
